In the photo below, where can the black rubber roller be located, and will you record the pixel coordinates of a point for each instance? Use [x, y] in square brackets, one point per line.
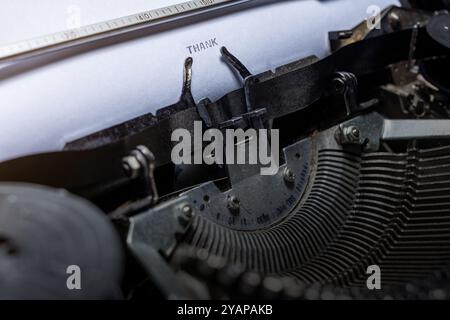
[54, 245]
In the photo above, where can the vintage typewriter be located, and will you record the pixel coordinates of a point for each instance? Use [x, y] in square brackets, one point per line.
[362, 183]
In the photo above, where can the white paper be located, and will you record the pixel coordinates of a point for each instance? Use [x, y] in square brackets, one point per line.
[44, 108]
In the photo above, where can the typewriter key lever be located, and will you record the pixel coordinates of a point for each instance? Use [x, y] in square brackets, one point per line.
[253, 117]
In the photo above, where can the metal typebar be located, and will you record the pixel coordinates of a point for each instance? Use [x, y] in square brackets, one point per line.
[415, 129]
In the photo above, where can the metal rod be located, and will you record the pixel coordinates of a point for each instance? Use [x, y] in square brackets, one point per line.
[88, 34]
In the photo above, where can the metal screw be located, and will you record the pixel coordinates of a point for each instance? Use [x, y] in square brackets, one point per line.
[234, 203]
[339, 85]
[351, 135]
[131, 166]
[289, 176]
[356, 133]
[186, 214]
[187, 210]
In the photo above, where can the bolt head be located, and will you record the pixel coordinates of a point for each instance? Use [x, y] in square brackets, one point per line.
[187, 210]
[289, 175]
[131, 166]
[234, 203]
[356, 133]
[351, 135]
[339, 85]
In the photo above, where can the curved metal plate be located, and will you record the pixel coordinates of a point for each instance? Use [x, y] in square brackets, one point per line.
[263, 200]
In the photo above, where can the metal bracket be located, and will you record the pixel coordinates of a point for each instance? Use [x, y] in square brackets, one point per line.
[140, 165]
[151, 245]
[254, 116]
[416, 129]
[203, 112]
[346, 83]
[369, 130]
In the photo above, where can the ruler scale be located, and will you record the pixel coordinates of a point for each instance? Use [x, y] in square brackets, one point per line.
[91, 33]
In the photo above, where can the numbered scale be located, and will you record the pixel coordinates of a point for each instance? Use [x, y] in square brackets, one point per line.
[107, 29]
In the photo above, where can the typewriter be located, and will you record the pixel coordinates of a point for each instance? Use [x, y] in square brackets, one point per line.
[324, 178]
